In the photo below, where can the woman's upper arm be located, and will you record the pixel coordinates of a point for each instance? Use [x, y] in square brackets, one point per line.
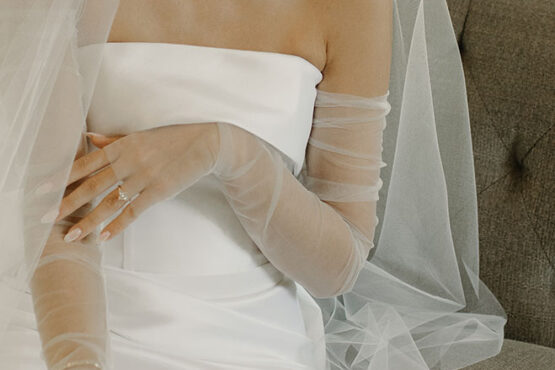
[343, 155]
[358, 46]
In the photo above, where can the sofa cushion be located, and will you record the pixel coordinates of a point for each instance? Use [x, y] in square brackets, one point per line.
[517, 355]
[507, 49]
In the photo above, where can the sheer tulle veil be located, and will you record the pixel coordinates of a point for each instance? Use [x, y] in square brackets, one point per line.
[418, 302]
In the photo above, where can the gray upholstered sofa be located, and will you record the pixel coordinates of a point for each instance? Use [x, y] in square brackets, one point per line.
[508, 53]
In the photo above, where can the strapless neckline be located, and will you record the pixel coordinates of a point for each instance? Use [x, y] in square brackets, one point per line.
[271, 54]
[142, 85]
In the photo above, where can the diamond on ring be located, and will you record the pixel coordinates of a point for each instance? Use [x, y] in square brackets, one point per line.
[122, 195]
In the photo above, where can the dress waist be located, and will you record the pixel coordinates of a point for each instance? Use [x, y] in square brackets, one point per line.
[195, 233]
[186, 282]
[218, 287]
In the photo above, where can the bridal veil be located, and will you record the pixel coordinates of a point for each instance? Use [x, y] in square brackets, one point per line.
[418, 302]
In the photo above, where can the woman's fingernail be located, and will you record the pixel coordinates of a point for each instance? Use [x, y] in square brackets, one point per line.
[104, 236]
[72, 235]
[50, 216]
[44, 188]
[92, 134]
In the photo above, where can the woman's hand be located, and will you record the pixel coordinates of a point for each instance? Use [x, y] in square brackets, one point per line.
[153, 165]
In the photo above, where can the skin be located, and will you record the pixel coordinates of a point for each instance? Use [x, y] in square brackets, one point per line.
[349, 42]
[285, 26]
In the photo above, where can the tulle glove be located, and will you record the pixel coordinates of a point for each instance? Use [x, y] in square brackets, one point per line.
[69, 300]
[317, 229]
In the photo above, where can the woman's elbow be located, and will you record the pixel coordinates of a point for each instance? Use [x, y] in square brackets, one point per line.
[326, 292]
[340, 285]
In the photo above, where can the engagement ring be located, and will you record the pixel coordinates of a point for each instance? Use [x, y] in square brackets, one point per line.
[122, 194]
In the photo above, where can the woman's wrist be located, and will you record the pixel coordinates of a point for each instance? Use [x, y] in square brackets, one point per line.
[215, 146]
[218, 148]
[236, 148]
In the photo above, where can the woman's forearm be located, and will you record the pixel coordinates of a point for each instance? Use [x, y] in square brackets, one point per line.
[69, 299]
[69, 302]
[301, 235]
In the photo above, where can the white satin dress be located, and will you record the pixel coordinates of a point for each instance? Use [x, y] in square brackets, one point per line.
[186, 286]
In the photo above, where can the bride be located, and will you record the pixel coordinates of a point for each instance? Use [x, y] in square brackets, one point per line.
[221, 205]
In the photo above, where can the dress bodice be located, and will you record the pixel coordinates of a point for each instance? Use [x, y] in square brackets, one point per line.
[144, 85]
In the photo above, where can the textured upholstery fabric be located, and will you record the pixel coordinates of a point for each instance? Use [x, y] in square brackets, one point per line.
[508, 53]
[517, 355]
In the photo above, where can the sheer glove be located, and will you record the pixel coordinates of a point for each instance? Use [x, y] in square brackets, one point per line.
[69, 299]
[151, 166]
[317, 229]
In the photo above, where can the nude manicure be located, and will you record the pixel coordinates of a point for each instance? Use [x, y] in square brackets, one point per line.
[104, 236]
[50, 216]
[72, 235]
